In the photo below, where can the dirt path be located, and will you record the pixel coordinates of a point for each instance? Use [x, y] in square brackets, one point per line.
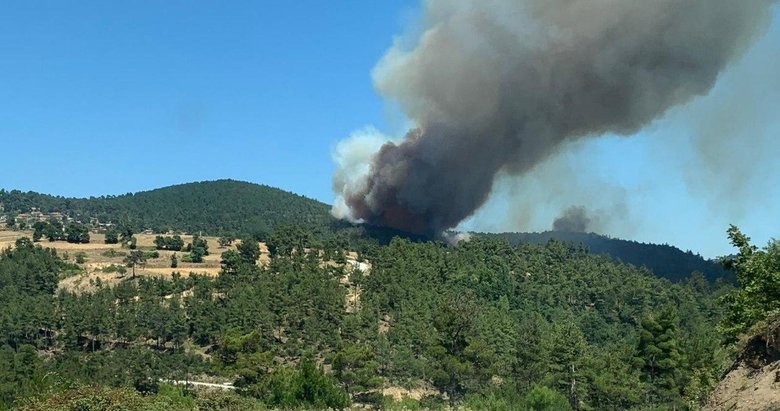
[225, 386]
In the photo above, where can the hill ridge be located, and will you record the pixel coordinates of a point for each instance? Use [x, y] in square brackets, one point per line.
[664, 260]
[217, 207]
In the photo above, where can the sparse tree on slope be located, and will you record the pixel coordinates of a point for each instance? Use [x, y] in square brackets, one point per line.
[135, 258]
[112, 236]
[249, 249]
[77, 233]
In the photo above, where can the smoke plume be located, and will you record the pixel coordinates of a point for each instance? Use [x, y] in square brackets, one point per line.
[574, 219]
[499, 86]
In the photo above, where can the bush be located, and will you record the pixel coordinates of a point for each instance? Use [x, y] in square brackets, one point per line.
[546, 399]
[175, 397]
[152, 254]
[433, 402]
[507, 398]
[304, 386]
[198, 242]
[88, 398]
[113, 268]
[113, 253]
[81, 257]
[404, 404]
[225, 241]
[112, 236]
[196, 255]
[94, 397]
[131, 243]
[372, 397]
[225, 400]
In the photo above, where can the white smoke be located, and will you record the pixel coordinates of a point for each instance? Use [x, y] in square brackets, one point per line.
[353, 165]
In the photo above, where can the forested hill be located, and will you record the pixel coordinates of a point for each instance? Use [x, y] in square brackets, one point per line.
[482, 326]
[235, 207]
[213, 207]
[664, 260]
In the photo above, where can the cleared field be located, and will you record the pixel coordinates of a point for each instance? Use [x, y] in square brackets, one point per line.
[8, 238]
[99, 255]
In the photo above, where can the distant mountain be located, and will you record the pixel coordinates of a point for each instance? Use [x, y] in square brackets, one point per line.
[213, 207]
[664, 260]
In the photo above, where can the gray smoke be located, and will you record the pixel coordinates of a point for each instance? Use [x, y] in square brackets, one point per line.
[574, 219]
[499, 85]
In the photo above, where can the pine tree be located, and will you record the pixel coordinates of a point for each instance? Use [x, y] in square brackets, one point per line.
[658, 355]
[569, 356]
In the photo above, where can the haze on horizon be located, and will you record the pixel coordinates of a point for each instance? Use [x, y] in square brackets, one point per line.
[112, 100]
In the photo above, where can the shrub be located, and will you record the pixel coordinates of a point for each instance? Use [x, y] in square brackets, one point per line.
[152, 254]
[196, 255]
[112, 236]
[88, 398]
[405, 404]
[81, 257]
[304, 386]
[113, 268]
[507, 398]
[225, 400]
[546, 399]
[113, 253]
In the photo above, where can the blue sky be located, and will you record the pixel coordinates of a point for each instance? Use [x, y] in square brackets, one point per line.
[109, 97]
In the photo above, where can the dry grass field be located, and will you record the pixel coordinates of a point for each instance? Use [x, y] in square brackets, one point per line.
[100, 255]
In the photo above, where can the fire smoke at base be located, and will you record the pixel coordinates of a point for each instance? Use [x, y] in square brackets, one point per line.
[498, 86]
[574, 219]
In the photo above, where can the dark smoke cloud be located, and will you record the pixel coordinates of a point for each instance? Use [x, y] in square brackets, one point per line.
[574, 219]
[498, 86]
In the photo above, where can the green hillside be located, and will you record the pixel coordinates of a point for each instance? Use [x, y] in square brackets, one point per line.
[211, 207]
[235, 207]
[664, 260]
[541, 324]
[482, 326]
